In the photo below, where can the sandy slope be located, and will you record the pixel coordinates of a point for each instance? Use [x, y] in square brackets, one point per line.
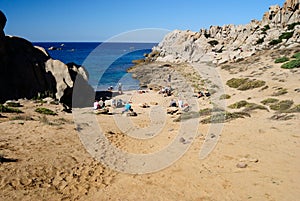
[54, 165]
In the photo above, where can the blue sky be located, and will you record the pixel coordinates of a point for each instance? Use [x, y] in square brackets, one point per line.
[99, 20]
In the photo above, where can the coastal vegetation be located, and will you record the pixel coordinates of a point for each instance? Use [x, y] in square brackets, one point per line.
[225, 96]
[281, 59]
[269, 101]
[6, 109]
[247, 106]
[45, 111]
[244, 83]
[282, 105]
[279, 92]
[223, 117]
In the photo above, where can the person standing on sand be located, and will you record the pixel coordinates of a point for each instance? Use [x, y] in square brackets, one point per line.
[120, 88]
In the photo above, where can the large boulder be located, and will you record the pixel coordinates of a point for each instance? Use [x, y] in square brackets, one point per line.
[29, 72]
[2, 24]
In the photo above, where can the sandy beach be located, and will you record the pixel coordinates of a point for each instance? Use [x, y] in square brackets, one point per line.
[256, 157]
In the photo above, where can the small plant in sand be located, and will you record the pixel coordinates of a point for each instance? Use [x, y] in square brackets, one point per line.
[279, 92]
[225, 116]
[296, 55]
[282, 117]
[45, 111]
[244, 83]
[247, 106]
[22, 117]
[6, 109]
[282, 105]
[269, 101]
[13, 104]
[224, 96]
[291, 64]
[281, 59]
[295, 109]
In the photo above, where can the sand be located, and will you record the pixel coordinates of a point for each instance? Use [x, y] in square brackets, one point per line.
[253, 158]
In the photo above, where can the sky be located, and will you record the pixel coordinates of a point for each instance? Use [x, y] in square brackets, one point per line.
[100, 20]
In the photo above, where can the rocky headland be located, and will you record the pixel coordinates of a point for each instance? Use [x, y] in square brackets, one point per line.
[278, 29]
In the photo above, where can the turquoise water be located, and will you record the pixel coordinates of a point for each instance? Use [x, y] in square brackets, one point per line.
[106, 63]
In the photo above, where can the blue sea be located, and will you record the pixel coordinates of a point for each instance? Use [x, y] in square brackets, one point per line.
[106, 63]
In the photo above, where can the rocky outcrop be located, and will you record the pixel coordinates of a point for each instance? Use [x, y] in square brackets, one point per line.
[28, 72]
[279, 28]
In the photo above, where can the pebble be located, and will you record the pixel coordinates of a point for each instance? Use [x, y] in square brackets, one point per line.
[241, 165]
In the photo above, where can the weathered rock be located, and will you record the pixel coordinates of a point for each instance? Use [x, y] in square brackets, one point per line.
[29, 72]
[234, 42]
[2, 24]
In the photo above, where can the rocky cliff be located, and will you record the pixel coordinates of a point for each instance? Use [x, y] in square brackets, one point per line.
[27, 71]
[279, 28]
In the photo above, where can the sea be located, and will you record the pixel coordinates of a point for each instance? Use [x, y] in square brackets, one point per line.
[106, 62]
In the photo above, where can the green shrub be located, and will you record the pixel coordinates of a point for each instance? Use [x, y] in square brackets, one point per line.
[282, 105]
[280, 92]
[238, 104]
[296, 55]
[6, 109]
[275, 42]
[46, 111]
[260, 41]
[13, 104]
[224, 96]
[269, 101]
[236, 82]
[248, 106]
[253, 106]
[213, 42]
[245, 83]
[266, 27]
[251, 84]
[286, 35]
[292, 26]
[224, 117]
[281, 60]
[291, 64]
[294, 109]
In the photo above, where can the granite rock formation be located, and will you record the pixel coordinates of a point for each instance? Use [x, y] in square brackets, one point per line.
[279, 28]
[27, 71]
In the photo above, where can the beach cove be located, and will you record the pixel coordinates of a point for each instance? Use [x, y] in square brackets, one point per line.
[215, 117]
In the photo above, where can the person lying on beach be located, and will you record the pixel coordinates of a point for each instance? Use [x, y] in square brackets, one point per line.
[127, 107]
[200, 94]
